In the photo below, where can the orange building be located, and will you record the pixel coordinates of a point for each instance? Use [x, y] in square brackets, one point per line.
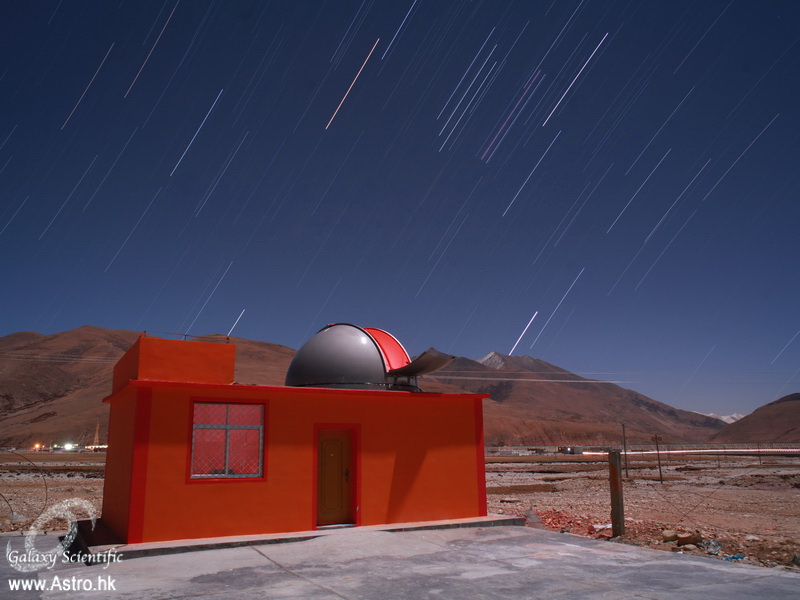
[191, 454]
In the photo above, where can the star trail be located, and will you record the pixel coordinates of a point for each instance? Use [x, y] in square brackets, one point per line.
[627, 171]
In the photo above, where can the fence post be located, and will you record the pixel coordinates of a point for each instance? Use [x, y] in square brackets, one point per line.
[657, 438]
[617, 506]
[625, 449]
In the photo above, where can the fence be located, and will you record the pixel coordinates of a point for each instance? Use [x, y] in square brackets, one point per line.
[744, 496]
[779, 447]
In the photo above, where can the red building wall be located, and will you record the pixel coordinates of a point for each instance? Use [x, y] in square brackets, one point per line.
[419, 457]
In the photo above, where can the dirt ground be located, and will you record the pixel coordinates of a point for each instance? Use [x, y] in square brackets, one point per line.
[30, 482]
[750, 506]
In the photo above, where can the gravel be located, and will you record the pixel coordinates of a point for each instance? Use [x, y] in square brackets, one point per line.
[751, 509]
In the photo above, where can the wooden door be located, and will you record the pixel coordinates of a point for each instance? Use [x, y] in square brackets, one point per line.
[335, 477]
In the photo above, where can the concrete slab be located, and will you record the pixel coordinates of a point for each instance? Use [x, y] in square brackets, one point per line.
[483, 562]
[94, 540]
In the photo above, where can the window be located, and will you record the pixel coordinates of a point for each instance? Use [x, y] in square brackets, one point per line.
[227, 440]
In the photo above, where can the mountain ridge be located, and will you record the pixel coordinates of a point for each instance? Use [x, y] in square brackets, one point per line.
[546, 405]
[51, 387]
[779, 421]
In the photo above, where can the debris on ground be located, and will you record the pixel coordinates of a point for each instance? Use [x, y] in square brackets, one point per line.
[735, 508]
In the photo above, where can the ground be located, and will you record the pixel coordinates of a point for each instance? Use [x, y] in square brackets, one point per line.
[750, 505]
[30, 482]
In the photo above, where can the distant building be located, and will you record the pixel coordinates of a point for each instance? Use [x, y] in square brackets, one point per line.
[191, 454]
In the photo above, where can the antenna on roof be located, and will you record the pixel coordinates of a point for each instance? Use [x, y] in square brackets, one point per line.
[237, 320]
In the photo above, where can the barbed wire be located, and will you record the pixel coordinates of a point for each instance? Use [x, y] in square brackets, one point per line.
[44, 481]
[679, 505]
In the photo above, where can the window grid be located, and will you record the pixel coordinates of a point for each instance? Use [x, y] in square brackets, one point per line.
[223, 440]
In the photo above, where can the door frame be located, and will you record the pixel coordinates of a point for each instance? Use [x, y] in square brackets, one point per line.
[355, 475]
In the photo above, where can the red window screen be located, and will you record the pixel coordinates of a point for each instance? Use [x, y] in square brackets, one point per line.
[227, 440]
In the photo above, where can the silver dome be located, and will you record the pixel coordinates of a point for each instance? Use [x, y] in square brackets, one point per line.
[342, 355]
[339, 356]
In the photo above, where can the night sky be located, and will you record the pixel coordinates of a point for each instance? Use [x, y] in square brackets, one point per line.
[439, 169]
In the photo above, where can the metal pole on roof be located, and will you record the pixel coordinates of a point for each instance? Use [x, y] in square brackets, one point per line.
[237, 320]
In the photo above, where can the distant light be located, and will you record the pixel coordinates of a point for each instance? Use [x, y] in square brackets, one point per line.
[68, 446]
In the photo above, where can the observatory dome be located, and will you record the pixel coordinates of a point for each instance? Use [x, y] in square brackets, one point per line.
[342, 355]
[339, 356]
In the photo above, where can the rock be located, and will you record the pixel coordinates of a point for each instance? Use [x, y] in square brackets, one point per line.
[509, 500]
[752, 538]
[668, 535]
[689, 538]
[689, 547]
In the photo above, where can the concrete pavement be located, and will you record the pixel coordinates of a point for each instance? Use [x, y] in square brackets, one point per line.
[483, 562]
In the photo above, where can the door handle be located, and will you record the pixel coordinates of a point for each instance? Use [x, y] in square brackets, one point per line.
[347, 475]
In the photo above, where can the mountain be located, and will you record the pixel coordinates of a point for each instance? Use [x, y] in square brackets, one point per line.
[51, 387]
[778, 421]
[727, 419]
[534, 402]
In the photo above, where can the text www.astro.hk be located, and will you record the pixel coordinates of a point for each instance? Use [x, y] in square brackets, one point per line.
[101, 583]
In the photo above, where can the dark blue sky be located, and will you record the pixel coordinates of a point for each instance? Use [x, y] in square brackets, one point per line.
[627, 169]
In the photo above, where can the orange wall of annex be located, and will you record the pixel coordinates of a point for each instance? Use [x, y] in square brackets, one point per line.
[420, 458]
[417, 462]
